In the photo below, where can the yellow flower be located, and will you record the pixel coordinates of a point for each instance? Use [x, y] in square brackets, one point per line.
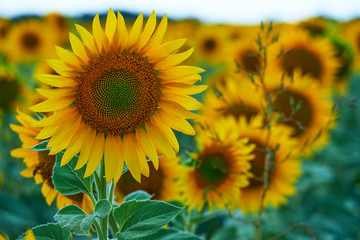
[235, 96]
[314, 117]
[119, 95]
[60, 24]
[351, 33]
[160, 183]
[297, 50]
[39, 165]
[29, 41]
[210, 43]
[221, 167]
[286, 168]
[4, 30]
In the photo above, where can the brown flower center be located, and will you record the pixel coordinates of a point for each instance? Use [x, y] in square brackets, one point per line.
[240, 109]
[45, 167]
[209, 45]
[30, 41]
[250, 61]
[118, 93]
[306, 61]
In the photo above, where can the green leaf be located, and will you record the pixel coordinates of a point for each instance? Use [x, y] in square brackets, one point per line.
[41, 146]
[227, 232]
[50, 231]
[138, 195]
[143, 218]
[68, 181]
[172, 234]
[102, 208]
[75, 220]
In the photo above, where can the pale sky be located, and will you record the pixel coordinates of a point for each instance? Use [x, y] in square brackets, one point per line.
[219, 11]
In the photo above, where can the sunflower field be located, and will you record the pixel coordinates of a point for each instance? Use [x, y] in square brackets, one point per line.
[122, 126]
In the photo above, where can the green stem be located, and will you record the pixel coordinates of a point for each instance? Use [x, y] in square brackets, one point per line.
[98, 230]
[113, 225]
[103, 195]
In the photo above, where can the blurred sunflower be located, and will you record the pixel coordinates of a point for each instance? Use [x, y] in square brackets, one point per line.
[221, 167]
[316, 26]
[297, 50]
[39, 165]
[118, 96]
[5, 25]
[160, 183]
[11, 89]
[351, 34]
[60, 24]
[286, 168]
[210, 43]
[243, 55]
[29, 40]
[237, 96]
[345, 56]
[304, 106]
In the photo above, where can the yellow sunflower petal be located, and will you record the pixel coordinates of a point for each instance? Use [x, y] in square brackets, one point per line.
[187, 102]
[121, 26]
[147, 146]
[144, 166]
[186, 89]
[173, 60]
[56, 93]
[148, 31]
[99, 35]
[96, 155]
[111, 156]
[69, 59]
[51, 105]
[135, 31]
[168, 133]
[121, 159]
[110, 26]
[156, 39]
[178, 124]
[160, 140]
[131, 157]
[179, 72]
[87, 39]
[177, 110]
[166, 49]
[86, 149]
[57, 80]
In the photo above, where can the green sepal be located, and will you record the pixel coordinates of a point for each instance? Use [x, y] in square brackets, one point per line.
[41, 146]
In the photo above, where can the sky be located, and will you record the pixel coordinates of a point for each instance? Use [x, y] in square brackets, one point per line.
[219, 11]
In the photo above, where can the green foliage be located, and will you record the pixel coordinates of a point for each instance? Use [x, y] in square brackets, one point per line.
[143, 218]
[41, 146]
[76, 221]
[137, 195]
[171, 234]
[68, 181]
[50, 231]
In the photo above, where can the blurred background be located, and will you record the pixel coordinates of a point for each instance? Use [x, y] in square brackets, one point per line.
[328, 191]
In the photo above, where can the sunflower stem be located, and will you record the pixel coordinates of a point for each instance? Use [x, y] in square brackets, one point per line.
[98, 230]
[102, 191]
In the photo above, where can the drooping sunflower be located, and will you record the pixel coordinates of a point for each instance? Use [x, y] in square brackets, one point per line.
[297, 50]
[160, 183]
[305, 106]
[350, 32]
[236, 96]
[119, 95]
[286, 168]
[29, 40]
[221, 167]
[39, 165]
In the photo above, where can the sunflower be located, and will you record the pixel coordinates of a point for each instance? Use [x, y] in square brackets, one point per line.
[121, 91]
[316, 26]
[160, 183]
[236, 96]
[220, 168]
[350, 32]
[244, 56]
[11, 89]
[60, 24]
[210, 42]
[305, 106]
[286, 168]
[4, 30]
[28, 41]
[298, 50]
[39, 165]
